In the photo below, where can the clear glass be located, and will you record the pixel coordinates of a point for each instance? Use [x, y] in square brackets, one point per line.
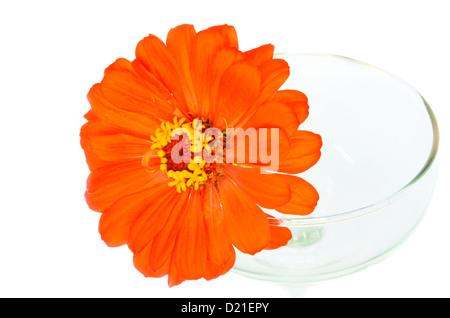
[375, 177]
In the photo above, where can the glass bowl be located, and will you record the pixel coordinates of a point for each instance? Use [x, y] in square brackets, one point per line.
[375, 177]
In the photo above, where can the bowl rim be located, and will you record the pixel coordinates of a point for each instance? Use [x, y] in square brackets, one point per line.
[294, 220]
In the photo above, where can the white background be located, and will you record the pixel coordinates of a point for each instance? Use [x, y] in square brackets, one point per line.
[51, 52]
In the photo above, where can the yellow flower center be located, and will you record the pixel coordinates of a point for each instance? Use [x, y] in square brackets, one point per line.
[183, 160]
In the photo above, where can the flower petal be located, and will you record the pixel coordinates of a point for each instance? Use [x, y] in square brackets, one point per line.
[92, 129]
[304, 152]
[294, 99]
[116, 221]
[228, 33]
[152, 52]
[279, 235]
[245, 223]
[207, 67]
[134, 123]
[274, 115]
[164, 241]
[218, 245]
[159, 88]
[213, 270]
[159, 65]
[237, 92]
[303, 199]
[90, 115]
[273, 75]
[260, 55]
[267, 190]
[118, 147]
[107, 184]
[123, 88]
[174, 276]
[141, 262]
[95, 127]
[150, 222]
[179, 43]
[223, 59]
[189, 254]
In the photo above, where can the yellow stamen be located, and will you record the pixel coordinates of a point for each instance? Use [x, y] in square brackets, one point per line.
[161, 153]
[198, 171]
[172, 183]
[155, 146]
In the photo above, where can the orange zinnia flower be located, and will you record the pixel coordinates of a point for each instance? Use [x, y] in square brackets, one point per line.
[185, 219]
